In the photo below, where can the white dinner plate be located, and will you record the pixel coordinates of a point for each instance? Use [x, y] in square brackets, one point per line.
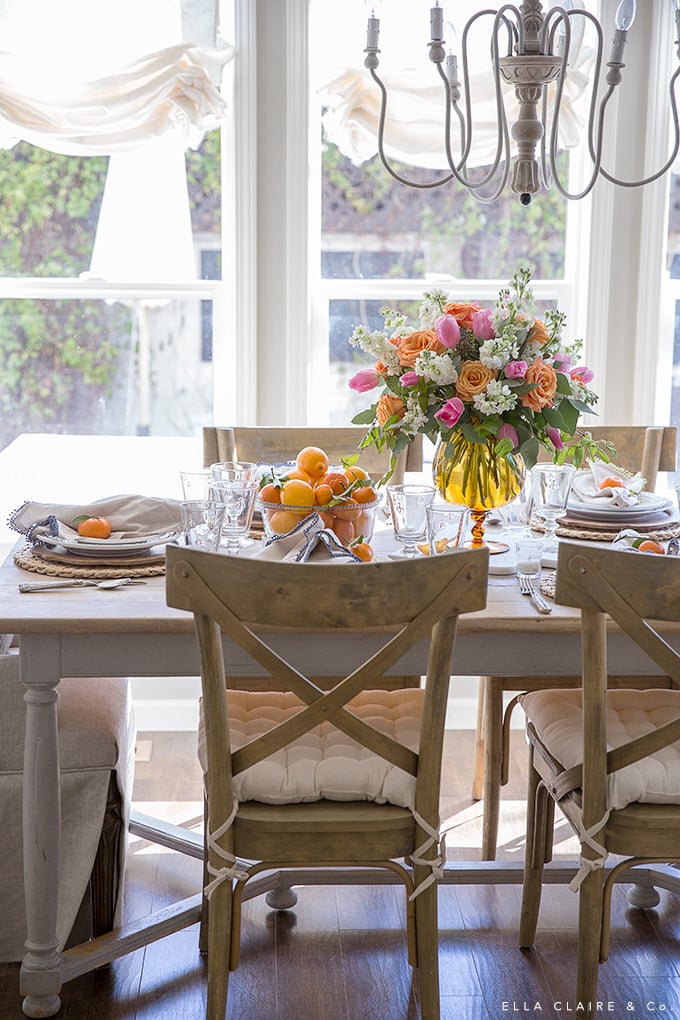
[649, 503]
[109, 546]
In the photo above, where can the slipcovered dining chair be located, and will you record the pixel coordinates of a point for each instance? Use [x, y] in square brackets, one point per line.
[350, 777]
[96, 745]
[609, 759]
[647, 449]
[273, 444]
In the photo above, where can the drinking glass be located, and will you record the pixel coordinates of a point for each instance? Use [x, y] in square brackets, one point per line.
[195, 484]
[445, 527]
[224, 475]
[238, 496]
[550, 486]
[202, 523]
[529, 553]
[408, 504]
[229, 470]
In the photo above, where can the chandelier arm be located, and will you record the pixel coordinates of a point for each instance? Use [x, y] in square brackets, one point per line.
[596, 156]
[381, 150]
[457, 171]
[512, 32]
[671, 159]
[547, 45]
[595, 150]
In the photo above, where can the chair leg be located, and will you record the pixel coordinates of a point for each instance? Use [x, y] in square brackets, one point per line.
[219, 949]
[493, 764]
[538, 814]
[105, 872]
[427, 941]
[589, 934]
[478, 754]
[203, 929]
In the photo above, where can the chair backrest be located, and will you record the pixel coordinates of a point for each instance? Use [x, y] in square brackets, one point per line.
[399, 603]
[633, 589]
[644, 448]
[271, 444]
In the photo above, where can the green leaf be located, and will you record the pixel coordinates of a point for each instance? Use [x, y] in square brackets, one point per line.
[365, 417]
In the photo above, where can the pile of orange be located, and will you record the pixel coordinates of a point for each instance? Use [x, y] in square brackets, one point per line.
[344, 497]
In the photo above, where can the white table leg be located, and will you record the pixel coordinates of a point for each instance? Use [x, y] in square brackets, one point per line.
[41, 966]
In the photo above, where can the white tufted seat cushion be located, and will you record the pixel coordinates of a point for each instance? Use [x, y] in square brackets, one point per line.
[558, 719]
[323, 763]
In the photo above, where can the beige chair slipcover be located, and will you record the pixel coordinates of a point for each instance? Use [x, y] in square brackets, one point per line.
[96, 739]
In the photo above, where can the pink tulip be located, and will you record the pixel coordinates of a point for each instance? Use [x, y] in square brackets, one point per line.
[448, 330]
[516, 369]
[582, 374]
[555, 437]
[450, 413]
[366, 379]
[409, 379]
[481, 324]
[562, 362]
[509, 432]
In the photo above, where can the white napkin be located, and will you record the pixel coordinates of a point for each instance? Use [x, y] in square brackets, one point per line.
[130, 517]
[308, 541]
[586, 487]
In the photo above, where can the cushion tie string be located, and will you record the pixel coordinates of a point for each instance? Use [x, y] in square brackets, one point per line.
[590, 864]
[435, 864]
[233, 868]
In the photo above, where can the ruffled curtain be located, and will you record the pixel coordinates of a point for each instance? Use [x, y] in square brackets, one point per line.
[170, 90]
[414, 131]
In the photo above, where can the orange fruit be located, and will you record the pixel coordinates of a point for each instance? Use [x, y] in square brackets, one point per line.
[270, 493]
[348, 510]
[344, 530]
[93, 527]
[323, 494]
[299, 475]
[649, 545]
[364, 494]
[283, 521]
[363, 550]
[296, 492]
[355, 472]
[337, 480]
[611, 482]
[313, 460]
[327, 518]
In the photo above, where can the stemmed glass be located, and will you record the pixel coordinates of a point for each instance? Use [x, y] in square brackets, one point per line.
[234, 484]
[551, 485]
[408, 505]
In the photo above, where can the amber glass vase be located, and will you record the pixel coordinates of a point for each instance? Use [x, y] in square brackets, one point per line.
[476, 476]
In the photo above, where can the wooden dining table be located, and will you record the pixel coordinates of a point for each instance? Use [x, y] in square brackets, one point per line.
[90, 632]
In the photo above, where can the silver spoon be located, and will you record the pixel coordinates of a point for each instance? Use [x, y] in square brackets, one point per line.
[78, 582]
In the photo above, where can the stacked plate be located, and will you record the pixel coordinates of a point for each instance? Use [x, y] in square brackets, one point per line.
[106, 549]
[651, 511]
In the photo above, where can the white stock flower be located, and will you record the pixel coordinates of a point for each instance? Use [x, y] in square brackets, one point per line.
[414, 419]
[496, 399]
[436, 368]
[499, 350]
[431, 308]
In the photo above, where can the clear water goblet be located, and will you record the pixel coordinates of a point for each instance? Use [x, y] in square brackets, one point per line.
[550, 486]
[238, 497]
[408, 505]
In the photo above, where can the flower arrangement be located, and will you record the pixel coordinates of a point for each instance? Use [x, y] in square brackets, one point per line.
[501, 375]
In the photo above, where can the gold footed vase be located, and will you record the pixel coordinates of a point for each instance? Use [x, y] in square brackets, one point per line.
[474, 475]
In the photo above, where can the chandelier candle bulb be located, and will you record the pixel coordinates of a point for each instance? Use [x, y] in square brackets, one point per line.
[372, 32]
[436, 23]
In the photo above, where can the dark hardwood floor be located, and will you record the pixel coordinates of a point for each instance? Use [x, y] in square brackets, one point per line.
[341, 955]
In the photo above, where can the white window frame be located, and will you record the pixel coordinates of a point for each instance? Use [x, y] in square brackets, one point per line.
[610, 299]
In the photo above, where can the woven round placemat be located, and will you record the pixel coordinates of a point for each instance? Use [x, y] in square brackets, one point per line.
[28, 559]
[660, 533]
[547, 583]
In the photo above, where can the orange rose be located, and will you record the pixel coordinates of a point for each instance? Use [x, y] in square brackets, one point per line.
[542, 394]
[389, 405]
[462, 313]
[538, 334]
[473, 378]
[410, 347]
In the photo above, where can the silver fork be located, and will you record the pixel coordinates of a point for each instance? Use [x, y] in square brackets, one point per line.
[527, 588]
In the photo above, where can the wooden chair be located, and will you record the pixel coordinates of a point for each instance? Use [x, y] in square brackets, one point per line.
[368, 814]
[612, 811]
[267, 444]
[639, 448]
